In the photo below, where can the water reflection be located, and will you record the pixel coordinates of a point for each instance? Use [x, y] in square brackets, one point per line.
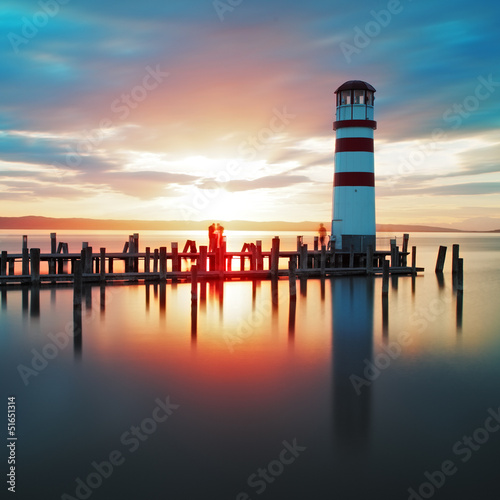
[352, 311]
[35, 302]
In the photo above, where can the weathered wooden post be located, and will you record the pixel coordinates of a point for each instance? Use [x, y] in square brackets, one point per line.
[303, 256]
[77, 283]
[456, 256]
[440, 259]
[35, 265]
[275, 256]
[369, 259]
[194, 283]
[202, 262]
[194, 302]
[260, 262]
[136, 250]
[253, 257]
[175, 257]
[26, 259]
[292, 278]
[385, 277]
[460, 275]
[393, 251]
[299, 242]
[163, 263]
[11, 263]
[351, 257]
[156, 258]
[3, 264]
[222, 258]
[316, 243]
[147, 261]
[323, 259]
[53, 249]
[102, 266]
[404, 250]
[414, 260]
[88, 267]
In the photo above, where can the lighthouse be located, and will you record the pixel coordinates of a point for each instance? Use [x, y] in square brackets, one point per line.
[353, 224]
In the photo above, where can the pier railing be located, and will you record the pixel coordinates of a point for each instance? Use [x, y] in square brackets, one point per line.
[161, 264]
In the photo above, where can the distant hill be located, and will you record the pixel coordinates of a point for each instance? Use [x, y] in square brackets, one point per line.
[48, 223]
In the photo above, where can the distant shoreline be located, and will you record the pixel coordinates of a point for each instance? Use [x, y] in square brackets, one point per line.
[48, 223]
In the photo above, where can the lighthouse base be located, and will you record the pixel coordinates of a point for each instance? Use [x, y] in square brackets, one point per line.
[357, 242]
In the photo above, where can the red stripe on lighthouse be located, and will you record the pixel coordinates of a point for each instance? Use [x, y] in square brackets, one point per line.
[354, 144]
[354, 179]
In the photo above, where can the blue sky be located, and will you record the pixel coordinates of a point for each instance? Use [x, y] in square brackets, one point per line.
[224, 110]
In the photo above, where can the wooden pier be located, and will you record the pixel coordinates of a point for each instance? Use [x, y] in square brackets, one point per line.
[162, 264]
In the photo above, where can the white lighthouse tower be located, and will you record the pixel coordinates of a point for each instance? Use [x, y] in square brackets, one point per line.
[353, 224]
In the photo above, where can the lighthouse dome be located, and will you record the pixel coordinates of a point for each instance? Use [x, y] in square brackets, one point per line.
[355, 85]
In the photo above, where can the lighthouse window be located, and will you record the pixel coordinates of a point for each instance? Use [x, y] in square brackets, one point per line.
[345, 97]
[369, 98]
[359, 97]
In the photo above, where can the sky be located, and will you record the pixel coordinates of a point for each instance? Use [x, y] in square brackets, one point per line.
[223, 110]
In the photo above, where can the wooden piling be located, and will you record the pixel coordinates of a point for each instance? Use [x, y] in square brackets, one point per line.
[77, 283]
[275, 256]
[351, 257]
[414, 260]
[404, 250]
[175, 257]
[460, 275]
[11, 263]
[194, 283]
[156, 259]
[102, 264]
[202, 261]
[440, 259]
[35, 265]
[385, 277]
[316, 243]
[369, 259]
[260, 261]
[303, 257]
[292, 279]
[455, 257]
[3, 264]
[299, 242]
[163, 263]
[147, 260]
[323, 260]
[26, 261]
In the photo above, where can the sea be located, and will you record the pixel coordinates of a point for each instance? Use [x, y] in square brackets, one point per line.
[341, 394]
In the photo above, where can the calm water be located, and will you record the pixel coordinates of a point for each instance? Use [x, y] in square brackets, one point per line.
[334, 398]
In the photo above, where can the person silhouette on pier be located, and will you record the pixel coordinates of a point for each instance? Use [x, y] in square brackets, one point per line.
[212, 238]
[322, 234]
[219, 232]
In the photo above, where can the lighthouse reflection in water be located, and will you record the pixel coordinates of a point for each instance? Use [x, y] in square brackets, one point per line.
[352, 304]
